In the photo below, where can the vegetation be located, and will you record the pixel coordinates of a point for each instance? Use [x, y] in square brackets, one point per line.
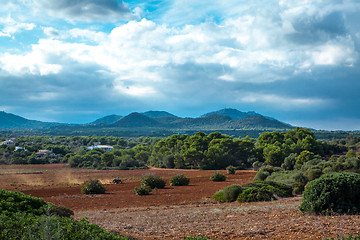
[143, 190]
[232, 192]
[255, 191]
[179, 180]
[40, 220]
[218, 177]
[230, 170]
[93, 186]
[332, 193]
[153, 181]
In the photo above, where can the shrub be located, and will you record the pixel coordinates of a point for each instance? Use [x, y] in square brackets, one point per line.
[12, 202]
[93, 186]
[179, 180]
[298, 187]
[261, 175]
[332, 193]
[218, 177]
[231, 192]
[280, 189]
[219, 195]
[254, 194]
[257, 165]
[230, 170]
[60, 211]
[153, 181]
[142, 190]
[313, 173]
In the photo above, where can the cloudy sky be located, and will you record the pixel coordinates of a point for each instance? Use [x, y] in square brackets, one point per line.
[78, 60]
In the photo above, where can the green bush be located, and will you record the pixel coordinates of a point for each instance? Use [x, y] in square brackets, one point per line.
[261, 175]
[257, 165]
[313, 173]
[332, 193]
[142, 190]
[153, 181]
[60, 211]
[93, 186]
[179, 180]
[27, 218]
[218, 177]
[219, 196]
[231, 192]
[49, 227]
[280, 189]
[255, 194]
[298, 187]
[230, 170]
[12, 202]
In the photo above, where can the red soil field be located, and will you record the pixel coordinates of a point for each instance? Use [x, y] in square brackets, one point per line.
[173, 212]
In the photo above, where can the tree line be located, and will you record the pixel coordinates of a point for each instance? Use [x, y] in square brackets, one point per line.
[199, 151]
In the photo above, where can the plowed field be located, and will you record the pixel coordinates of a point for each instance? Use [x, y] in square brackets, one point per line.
[173, 212]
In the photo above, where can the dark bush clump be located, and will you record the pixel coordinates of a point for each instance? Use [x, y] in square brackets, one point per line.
[218, 177]
[255, 194]
[332, 193]
[93, 186]
[230, 170]
[280, 189]
[142, 190]
[261, 175]
[12, 202]
[231, 192]
[60, 211]
[179, 180]
[313, 173]
[153, 181]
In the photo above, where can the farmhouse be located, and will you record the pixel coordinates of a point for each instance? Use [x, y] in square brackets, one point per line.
[44, 152]
[20, 148]
[8, 143]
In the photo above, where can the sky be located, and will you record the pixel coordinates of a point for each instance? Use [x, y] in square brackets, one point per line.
[75, 61]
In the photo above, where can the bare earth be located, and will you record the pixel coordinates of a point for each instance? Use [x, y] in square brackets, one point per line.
[173, 212]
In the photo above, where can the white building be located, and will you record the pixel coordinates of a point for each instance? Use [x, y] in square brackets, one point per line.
[103, 147]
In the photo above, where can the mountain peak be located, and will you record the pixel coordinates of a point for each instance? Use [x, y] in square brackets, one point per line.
[154, 114]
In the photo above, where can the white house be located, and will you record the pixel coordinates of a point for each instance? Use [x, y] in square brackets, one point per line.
[103, 147]
[8, 143]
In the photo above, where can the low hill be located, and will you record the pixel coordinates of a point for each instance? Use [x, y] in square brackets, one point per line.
[134, 120]
[154, 114]
[107, 119]
[151, 122]
[233, 113]
[11, 121]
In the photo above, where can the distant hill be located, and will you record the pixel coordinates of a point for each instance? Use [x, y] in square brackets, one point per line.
[11, 121]
[136, 120]
[153, 122]
[233, 113]
[107, 119]
[154, 114]
[258, 122]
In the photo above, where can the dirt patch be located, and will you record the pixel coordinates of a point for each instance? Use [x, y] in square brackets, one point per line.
[173, 212]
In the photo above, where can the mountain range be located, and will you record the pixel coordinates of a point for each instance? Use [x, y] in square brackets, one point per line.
[224, 119]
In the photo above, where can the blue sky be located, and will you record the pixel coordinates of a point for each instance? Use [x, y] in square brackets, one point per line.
[76, 61]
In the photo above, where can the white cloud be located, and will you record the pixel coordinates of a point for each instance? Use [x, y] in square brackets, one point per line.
[11, 26]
